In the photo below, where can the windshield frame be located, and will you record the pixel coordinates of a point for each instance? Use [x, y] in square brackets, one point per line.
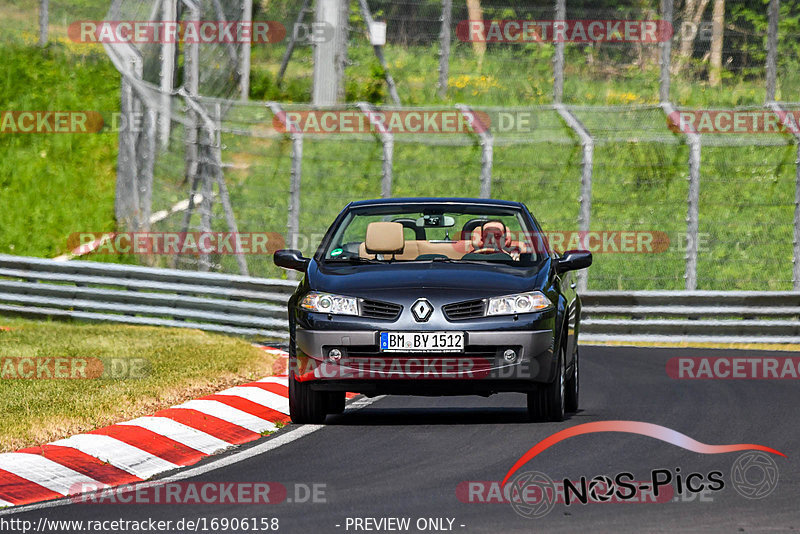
[397, 208]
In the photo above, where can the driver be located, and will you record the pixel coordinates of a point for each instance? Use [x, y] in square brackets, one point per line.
[493, 237]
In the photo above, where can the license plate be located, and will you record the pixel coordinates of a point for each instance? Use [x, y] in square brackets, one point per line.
[422, 341]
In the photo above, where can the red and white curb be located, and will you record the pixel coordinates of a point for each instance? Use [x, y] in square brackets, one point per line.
[136, 450]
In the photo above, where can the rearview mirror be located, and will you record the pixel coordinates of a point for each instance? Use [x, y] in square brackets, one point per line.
[291, 259]
[435, 221]
[572, 260]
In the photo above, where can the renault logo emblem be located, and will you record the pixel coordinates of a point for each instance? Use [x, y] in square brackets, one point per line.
[422, 310]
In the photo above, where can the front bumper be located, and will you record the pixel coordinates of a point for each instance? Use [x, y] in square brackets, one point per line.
[480, 369]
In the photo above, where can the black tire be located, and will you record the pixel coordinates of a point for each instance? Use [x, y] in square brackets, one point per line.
[305, 404]
[573, 386]
[336, 400]
[547, 402]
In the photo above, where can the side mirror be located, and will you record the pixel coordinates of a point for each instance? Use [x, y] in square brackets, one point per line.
[291, 259]
[572, 260]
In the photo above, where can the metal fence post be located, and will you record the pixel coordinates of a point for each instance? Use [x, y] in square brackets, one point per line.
[146, 149]
[587, 167]
[444, 47]
[693, 200]
[387, 142]
[213, 127]
[487, 149]
[693, 212]
[772, 48]
[558, 58]
[191, 83]
[222, 187]
[666, 53]
[169, 13]
[207, 189]
[367, 15]
[136, 155]
[293, 223]
[796, 241]
[191, 75]
[126, 197]
[44, 16]
[244, 51]
[791, 126]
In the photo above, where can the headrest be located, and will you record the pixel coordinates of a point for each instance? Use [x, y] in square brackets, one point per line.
[492, 233]
[384, 238]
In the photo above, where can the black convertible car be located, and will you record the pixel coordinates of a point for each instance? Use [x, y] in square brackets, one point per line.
[434, 296]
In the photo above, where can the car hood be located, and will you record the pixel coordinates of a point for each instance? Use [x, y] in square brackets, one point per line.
[473, 280]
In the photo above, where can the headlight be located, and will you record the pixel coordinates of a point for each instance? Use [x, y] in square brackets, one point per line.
[327, 303]
[519, 303]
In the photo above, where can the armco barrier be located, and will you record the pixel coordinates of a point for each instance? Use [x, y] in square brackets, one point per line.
[704, 316]
[143, 295]
[257, 306]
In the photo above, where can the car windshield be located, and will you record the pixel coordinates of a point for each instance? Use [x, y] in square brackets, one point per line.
[446, 233]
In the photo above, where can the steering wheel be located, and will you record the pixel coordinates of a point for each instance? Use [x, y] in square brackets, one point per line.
[489, 250]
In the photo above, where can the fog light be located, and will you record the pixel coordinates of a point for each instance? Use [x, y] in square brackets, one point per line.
[509, 355]
[334, 355]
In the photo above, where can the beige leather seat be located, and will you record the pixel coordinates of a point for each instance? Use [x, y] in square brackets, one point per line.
[383, 239]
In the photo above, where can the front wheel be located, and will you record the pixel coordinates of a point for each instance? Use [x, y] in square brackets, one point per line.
[305, 404]
[547, 402]
[573, 386]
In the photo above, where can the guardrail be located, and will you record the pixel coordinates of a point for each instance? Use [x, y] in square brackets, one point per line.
[257, 306]
[142, 295]
[700, 316]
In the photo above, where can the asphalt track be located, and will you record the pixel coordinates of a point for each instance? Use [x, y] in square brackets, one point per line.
[405, 457]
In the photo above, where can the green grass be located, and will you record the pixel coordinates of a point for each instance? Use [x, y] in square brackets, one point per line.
[52, 185]
[511, 76]
[181, 364]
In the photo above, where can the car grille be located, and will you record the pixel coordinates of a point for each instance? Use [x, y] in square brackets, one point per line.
[475, 360]
[470, 309]
[356, 352]
[380, 310]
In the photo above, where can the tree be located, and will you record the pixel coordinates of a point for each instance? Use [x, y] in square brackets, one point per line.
[476, 13]
[717, 32]
[692, 14]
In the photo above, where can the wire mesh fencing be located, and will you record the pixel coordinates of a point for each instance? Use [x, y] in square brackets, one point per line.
[646, 133]
[250, 173]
